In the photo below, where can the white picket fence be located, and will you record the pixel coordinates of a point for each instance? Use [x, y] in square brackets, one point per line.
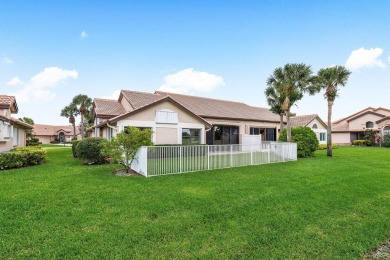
[162, 160]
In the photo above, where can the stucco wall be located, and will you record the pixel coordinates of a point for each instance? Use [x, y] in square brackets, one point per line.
[45, 139]
[166, 135]
[341, 138]
[360, 122]
[318, 123]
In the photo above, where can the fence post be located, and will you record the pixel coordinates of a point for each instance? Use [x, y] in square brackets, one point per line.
[251, 154]
[208, 157]
[180, 159]
[231, 155]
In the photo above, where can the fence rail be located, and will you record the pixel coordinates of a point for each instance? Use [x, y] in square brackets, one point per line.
[162, 160]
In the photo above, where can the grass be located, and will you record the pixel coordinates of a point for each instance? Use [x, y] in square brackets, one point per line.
[314, 208]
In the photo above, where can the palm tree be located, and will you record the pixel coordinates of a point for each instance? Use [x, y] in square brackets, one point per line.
[70, 112]
[329, 79]
[83, 103]
[291, 82]
[275, 101]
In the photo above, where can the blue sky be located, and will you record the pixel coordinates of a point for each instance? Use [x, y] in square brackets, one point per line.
[51, 51]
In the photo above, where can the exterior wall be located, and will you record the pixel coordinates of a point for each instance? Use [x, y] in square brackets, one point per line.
[6, 146]
[147, 118]
[360, 122]
[45, 139]
[321, 129]
[126, 104]
[318, 123]
[341, 138]
[165, 135]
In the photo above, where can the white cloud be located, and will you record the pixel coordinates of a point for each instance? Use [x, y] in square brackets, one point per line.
[83, 34]
[39, 87]
[7, 60]
[388, 59]
[362, 57]
[189, 80]
[15, 81]
[115, 95]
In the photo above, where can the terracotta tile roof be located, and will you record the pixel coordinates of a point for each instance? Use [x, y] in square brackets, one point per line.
[302, 120]
[40, 129]
[139, 99]
[216, 108]
[108, 107]
[7, 100]
[20, 123]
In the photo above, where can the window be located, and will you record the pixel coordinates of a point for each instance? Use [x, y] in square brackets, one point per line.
[190, 136]
[386, 130]
[109, 133]
[254, 131]
[16, 137]
[5, 130]
[369, 124]
[314, 126]
[322, 137]
[166, 117]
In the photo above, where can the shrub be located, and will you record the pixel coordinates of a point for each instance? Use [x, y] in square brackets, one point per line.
[306, 139]
[123, 147]
[386, 140]
[369, 137]
[33, 142]
[89, 149]
[74, 145]
[22, 157]
[324, 146]
[359, 142]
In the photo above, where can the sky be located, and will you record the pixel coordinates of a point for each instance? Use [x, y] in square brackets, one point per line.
[51, 51]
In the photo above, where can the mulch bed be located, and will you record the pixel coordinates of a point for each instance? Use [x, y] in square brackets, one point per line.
[124, 173]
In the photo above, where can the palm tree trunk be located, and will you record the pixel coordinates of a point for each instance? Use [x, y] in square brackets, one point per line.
[281, 122]
[74, 130]
[288, 126]
[329, 128]
[82, 125]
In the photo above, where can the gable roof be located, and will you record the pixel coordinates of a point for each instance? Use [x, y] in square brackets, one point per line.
[9, 102]
[217, 108]
[49, 130]
[355, 114]
[139, 99]
[363, 114]
[162, 99]
[304, 120]
[107, 107]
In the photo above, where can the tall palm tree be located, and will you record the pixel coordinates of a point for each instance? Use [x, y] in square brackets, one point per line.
[329, 79]
[291, 82]
[275, 101]
[83, 103]
[70, 112]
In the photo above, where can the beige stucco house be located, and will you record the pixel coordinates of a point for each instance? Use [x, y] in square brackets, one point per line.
[350, 128]
[54, 133]
[314, 122]
[183, 119]
[12, 130]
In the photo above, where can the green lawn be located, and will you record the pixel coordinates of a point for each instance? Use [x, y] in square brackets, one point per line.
[313, 208]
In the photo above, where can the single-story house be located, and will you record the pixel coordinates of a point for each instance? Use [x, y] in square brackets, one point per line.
[183, 119]
[12, 130]
[314, 122]
[54, 133]
[350, 128]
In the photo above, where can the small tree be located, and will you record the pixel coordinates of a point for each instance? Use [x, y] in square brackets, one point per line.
[369, 136]
[123, 147]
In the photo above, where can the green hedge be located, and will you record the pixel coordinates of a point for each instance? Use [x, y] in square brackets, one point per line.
[22, 157]
[306, 139]
[74, 145]
[359, 142]
[325, 146]
[90, 149]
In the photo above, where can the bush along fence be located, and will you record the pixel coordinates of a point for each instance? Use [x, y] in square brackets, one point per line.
[162, 160]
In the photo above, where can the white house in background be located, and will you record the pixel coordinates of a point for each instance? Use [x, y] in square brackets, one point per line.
[184, 119]
[314, 122]
[12, 130]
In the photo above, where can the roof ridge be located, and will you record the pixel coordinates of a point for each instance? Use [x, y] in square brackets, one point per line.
[202, 97]
[136, 91]
[344, 118]
[108, 99]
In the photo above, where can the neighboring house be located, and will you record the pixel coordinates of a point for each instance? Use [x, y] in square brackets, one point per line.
[12, 130]
[53, 133]
[183, 119]
[348, 129]
[314, 122]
